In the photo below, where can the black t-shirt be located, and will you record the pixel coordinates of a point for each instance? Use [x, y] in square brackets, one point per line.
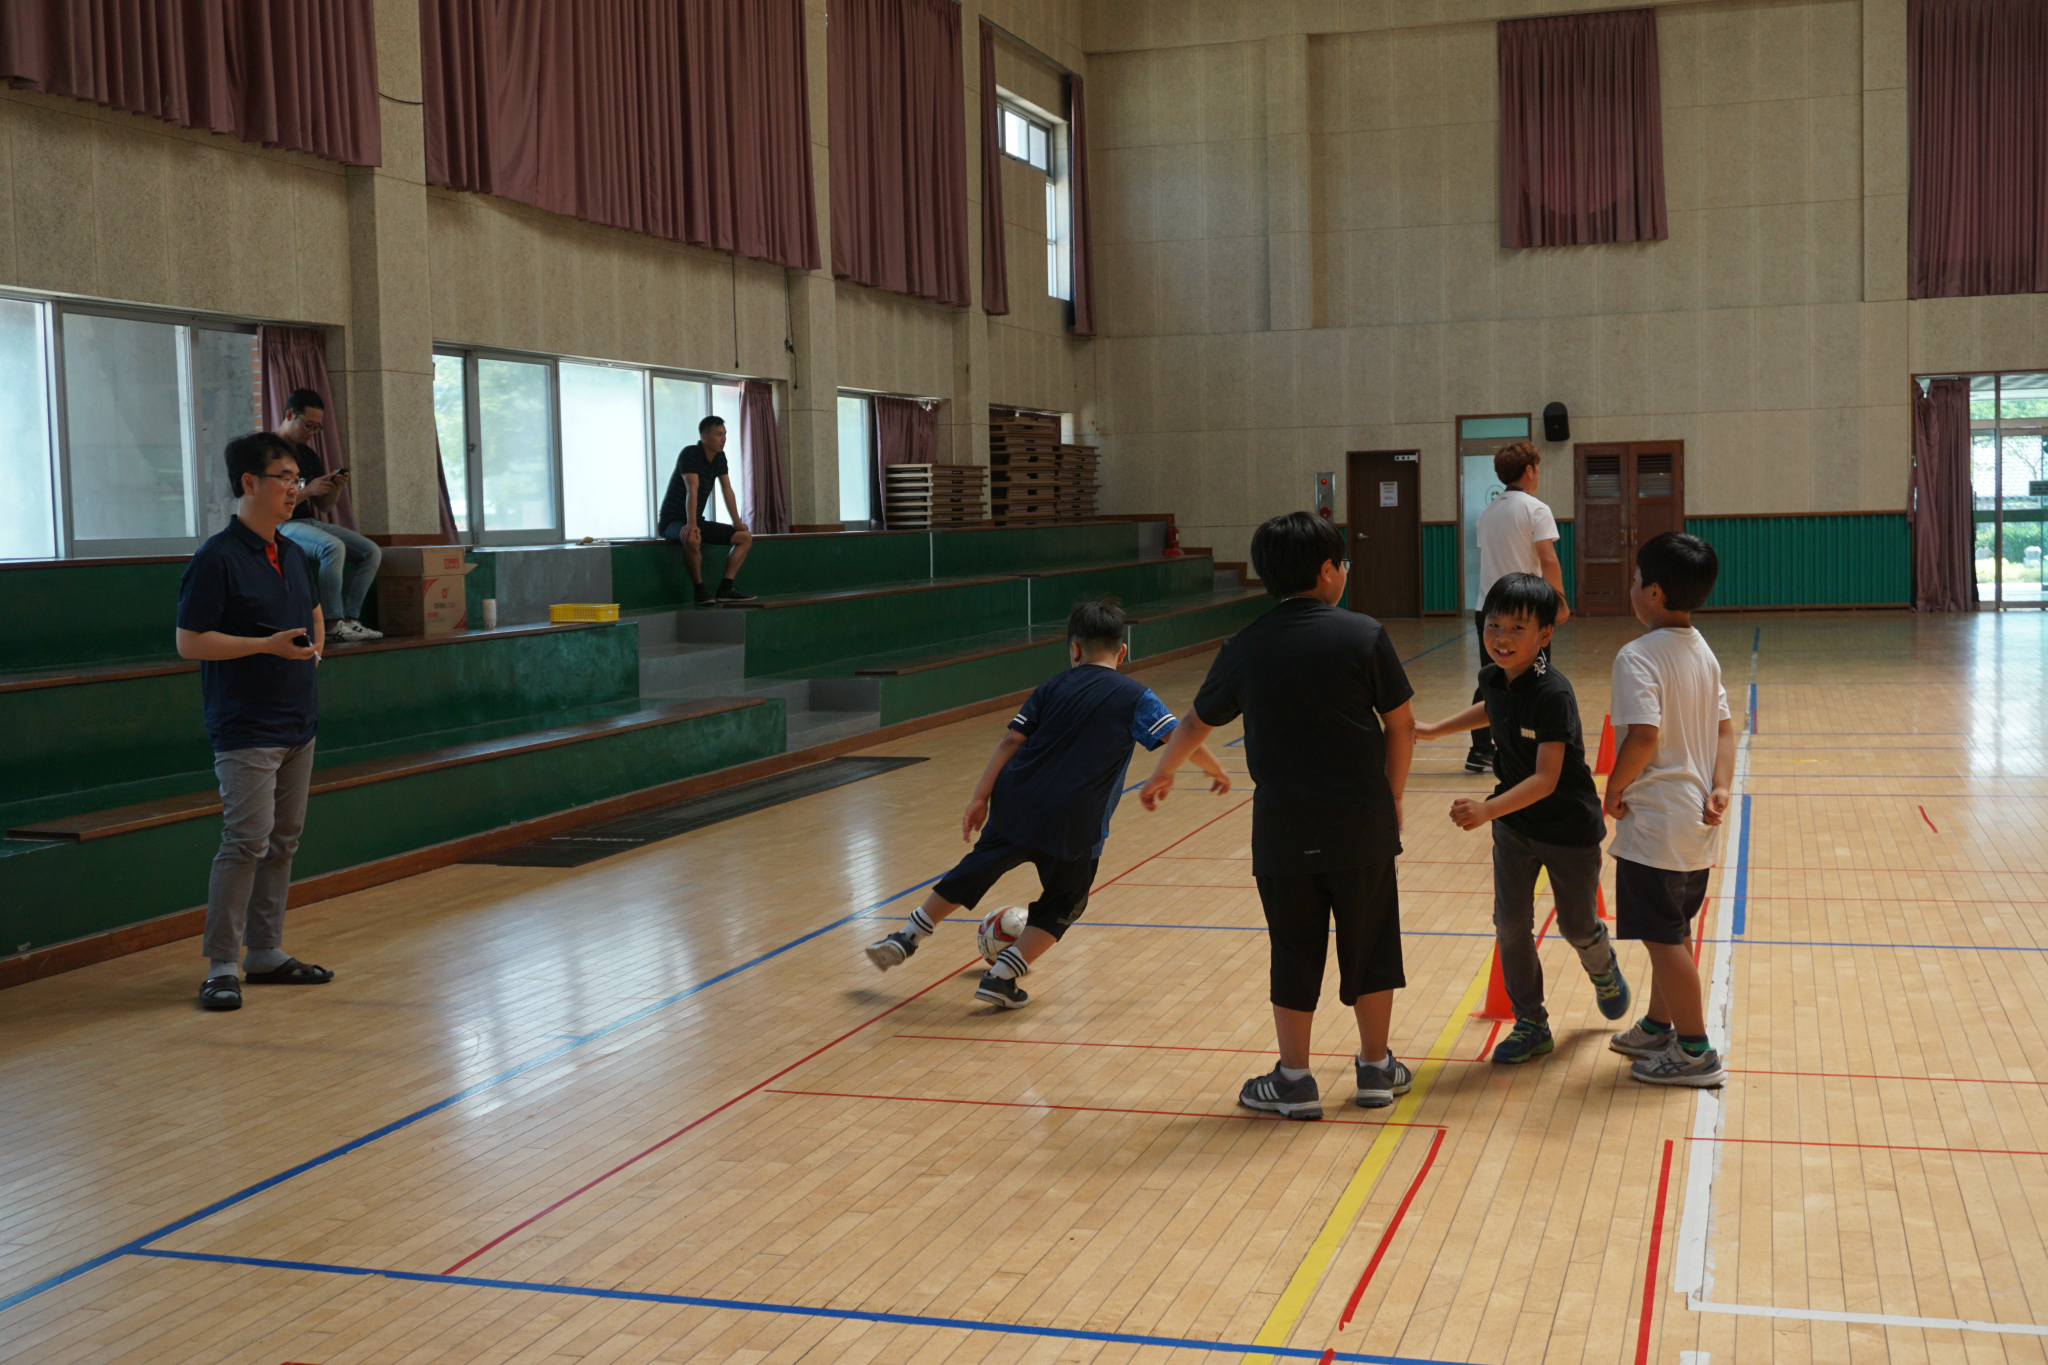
[675, 504]
[1056, 794]
[311, 467]
[259, 701]
[1540, 708]
[1311, 682]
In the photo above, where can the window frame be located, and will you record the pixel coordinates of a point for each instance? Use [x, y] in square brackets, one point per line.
[479, 532]
[1059, 254]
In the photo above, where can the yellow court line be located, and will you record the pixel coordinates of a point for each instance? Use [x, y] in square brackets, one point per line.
[1293, 1302]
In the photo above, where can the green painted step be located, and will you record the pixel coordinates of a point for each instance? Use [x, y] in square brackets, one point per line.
[1054, 592]
[809, 635]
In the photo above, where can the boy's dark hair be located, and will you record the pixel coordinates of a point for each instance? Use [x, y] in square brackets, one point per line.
[302, 399]
[1097, 623]
[1522, 594]
[714, 420]
[1684, 566]
[1510, 463]
[1289, 552]
[252, 454]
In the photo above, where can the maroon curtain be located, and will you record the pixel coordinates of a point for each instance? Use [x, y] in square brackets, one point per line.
[1977, 89]
[1944, 529]
[296, 358]
[301, 75]
[1581, 130]
[995, 256]
[899, 147]
[906, 432]
[683, 119]
[1081, 237]
[766, 475]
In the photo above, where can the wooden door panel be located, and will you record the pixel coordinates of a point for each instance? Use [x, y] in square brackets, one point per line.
[1658, 506]
[1383, 509]
[1601, 538]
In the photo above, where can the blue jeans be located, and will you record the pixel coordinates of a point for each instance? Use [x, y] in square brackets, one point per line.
[342, 590]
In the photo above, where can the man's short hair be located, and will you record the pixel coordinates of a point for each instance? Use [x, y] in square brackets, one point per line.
[714, 420]
[302, 399]
[1684, 566]
[1099, 623]
[252, 454]
[1510, 463]
[1522, 594]
[1289, 551]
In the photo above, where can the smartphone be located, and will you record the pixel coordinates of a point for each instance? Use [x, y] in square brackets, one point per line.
[302, 640]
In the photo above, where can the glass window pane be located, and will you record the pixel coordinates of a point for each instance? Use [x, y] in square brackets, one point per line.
[27, 527]
[679, 404]
[451, 428]
[853, 458]
[604, 453]
[125, 409]
[2020, 461]
[516, 443]
[230, 404]
[1984, 501]
[1041, 148]
[725, 402]
[1016, 135]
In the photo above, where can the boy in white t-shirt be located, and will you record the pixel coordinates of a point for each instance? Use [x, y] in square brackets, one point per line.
[1667, 796]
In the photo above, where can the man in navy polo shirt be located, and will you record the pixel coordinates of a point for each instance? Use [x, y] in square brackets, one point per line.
[249, 611]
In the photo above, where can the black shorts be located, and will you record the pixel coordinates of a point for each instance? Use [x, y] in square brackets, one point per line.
[1656, 905]
[715, 532]
[1366, 904]
[1065, 881]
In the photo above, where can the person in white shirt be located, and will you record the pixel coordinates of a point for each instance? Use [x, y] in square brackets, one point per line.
[1667, 796]
[1517, 534]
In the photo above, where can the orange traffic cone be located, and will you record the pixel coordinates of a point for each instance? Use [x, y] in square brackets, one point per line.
[1603, 762]
[1600, 902]
[1497, 1005]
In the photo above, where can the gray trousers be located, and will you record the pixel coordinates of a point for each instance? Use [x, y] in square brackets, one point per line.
[263, 809]
[1574, 879]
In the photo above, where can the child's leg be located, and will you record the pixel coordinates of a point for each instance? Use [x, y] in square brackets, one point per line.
[927, 916]
[1515, 864]
[1675, 989]
[1375, 1014]
[965, 885]
[1064, 884]
[1575, 881]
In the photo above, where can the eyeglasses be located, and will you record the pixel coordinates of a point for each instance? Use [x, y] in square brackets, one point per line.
[288, 480]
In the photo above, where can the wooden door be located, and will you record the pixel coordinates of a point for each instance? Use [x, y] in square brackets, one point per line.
[1625, 494]
[1383, 491]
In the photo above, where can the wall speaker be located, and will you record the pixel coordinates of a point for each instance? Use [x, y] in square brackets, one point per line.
[1557, 423]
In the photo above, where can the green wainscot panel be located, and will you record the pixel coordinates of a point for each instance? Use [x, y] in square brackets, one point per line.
[78, 613]
[1164, 634]
[653, 574]
[1021, 549]
[1440, 566]
[1566, 559]
[1054, 595]
[57, 891]
[789, 640]
[939, 689]
[1809, 559]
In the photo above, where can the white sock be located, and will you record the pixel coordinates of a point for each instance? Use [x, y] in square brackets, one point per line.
[1381, 1064]
[219, 968]
[920, 923]
[1294, 1073]
[265, 959]
[1009, 964]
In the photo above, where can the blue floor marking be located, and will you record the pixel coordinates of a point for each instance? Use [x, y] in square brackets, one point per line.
[799, 1310]
[1742, 873]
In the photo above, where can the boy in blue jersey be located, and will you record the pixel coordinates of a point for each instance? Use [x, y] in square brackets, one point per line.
[1046, 798]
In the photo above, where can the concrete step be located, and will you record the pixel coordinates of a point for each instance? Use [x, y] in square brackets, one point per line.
[822, 727]
[668, 668]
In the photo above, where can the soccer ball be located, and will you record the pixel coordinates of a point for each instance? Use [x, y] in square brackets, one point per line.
[999, 929]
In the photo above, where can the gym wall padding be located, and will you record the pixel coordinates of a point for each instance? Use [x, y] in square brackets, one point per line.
[1810, 560]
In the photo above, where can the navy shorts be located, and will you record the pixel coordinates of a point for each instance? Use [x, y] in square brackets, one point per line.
[715, 532]
[1656, 905]
[1065, 881]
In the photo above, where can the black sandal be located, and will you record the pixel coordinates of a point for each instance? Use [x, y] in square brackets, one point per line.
[291, 972]
[220, 993]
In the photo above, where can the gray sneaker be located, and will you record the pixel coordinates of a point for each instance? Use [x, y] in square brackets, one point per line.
[1637, 1041]
[1377, 1085]
[890, 950]
[1676, 1066]
[1276, 1094]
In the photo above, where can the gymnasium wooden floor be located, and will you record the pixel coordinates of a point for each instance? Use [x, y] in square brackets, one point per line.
[661, 1109]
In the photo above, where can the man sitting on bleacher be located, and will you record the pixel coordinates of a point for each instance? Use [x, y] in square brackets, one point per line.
[249, 611]
[685, 512]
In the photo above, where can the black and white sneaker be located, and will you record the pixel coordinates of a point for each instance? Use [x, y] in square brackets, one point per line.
[1275, 1094]
[890, 951]
[1001, 992]
[1377, 1085]
[1478, 760]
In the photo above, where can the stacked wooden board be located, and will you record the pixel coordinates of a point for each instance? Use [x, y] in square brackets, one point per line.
[919, 496]
[1036, 478]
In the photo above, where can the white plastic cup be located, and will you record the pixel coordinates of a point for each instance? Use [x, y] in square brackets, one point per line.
[490, 613]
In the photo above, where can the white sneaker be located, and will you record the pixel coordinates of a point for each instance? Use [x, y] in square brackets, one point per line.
[347, 632]
[364, 631]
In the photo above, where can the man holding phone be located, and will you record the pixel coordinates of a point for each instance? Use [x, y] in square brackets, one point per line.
[348, 561]
[249, 611]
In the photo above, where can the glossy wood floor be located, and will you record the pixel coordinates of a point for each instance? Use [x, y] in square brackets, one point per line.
[661, 1109]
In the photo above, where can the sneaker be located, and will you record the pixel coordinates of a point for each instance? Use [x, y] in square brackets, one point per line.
[1001, 991]
[1610, 990]
[735, 595]
[1377, 1085]
[1275, 1094]
[704, 597]
[890, 951]
[363, 632]
[1637, 1041]
[1479, 760]
[347, 632]
[1526, 1041]
[1675, 1066]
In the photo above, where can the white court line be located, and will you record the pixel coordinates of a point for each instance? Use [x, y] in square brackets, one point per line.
[2023, 1329]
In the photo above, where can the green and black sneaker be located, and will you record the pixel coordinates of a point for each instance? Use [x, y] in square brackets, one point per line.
[1526, 1041]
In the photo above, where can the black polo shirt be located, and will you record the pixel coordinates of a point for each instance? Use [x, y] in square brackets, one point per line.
[675, 503]
[260, 701]
[1311, 682]
[1540, 708]
[1056, 794]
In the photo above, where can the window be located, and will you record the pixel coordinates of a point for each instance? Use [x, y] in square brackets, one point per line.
[28, 522]
[2009, 481]
[856, 434]
[604, 452]
[1039, 140]
[1026, 138]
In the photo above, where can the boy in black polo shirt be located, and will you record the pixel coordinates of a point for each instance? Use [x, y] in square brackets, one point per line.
[1545, 810]
[1047, 795]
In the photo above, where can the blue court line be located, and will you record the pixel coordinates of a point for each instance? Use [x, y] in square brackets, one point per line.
[1251, 928]
[137, 1247]
[796, 1309]
[1741, 920]
[1752, 708]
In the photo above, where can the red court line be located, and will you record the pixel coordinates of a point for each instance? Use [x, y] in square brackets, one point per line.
[1175, 844]
[1860, 1076]
[1146, 1047]
[590, 1185]
[1253, 1117]
[1877, 1146]
[1925, 816]
[1491, 1034]
[1650, 1274]
[1387, 1237]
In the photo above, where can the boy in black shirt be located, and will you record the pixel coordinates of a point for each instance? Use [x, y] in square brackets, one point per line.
[1047, 795]
[686, 512]
[1328, 734]
[1545, 810]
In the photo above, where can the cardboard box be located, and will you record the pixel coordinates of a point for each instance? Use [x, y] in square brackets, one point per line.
[429, 605]
[562, 613]
[423, 561]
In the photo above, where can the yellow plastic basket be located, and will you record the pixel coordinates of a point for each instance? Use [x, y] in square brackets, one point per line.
[561, 613]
